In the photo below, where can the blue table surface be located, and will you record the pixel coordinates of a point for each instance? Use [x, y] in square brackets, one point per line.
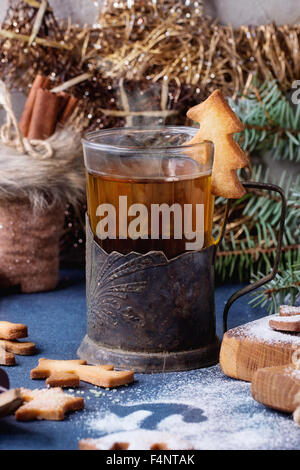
[212, 410]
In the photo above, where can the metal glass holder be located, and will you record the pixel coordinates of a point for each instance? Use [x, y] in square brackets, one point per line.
[151, 314]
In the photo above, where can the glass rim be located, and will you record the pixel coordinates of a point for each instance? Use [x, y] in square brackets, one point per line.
[89, 143]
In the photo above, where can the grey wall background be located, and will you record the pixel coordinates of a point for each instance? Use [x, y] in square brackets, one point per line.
[236, 12]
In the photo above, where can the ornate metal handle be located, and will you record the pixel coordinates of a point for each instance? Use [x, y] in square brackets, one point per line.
[269, 277]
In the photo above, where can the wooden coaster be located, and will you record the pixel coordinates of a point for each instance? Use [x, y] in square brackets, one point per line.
[277, 387]
[255, 345]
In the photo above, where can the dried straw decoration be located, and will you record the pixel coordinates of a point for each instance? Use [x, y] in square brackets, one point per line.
[172, 40]
[167, 44]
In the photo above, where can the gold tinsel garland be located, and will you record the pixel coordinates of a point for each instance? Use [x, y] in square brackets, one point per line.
[165, 42]
[167, 39]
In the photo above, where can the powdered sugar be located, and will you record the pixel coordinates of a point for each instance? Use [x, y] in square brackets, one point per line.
[296, 374]
[203, 406]
[46, 398]
[289, 310]
[115, 423]
[140, 440]
[260, 330]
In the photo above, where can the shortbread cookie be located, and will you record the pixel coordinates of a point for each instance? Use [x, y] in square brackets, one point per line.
[69, 374]
[50, 404]
[289, 323]
[9, 401]
[288, 310]
[218, 123]
[6, 358]
[201, 153]
[58, 373]
[136, 440]
[21, 348]
[8, 349]
[10, 330]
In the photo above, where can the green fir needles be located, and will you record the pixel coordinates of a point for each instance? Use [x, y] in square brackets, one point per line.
[272, 122]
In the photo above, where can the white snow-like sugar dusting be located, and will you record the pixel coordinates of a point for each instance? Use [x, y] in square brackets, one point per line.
[296, 374]
[229, 417]
[114, 423]
[261, 330]
[289, 310]
[140, 440]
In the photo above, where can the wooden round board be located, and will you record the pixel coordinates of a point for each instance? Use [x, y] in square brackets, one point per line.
[255, 345]
[277, 387]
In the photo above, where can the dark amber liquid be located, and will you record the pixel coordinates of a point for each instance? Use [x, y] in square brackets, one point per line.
[177, 189]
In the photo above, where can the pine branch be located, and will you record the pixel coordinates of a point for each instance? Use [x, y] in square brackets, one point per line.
[249, 244]
[284, 289]
[271, 121]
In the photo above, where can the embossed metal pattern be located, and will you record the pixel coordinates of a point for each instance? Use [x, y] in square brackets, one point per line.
[147, 303]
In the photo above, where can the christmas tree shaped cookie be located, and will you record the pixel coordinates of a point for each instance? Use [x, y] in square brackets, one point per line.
[218, 123]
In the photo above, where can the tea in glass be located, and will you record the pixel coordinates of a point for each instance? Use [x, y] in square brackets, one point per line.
[158, 195]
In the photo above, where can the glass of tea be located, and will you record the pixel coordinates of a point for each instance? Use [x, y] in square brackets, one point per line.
[147, 190]
[150, 252]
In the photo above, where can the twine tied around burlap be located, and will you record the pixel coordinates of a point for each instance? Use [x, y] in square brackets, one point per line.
[10, 133]
[296, 362]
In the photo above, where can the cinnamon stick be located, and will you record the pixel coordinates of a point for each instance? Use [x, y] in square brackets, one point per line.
[64, 100]
[39, 82]
[69, 108]
[45, 113]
